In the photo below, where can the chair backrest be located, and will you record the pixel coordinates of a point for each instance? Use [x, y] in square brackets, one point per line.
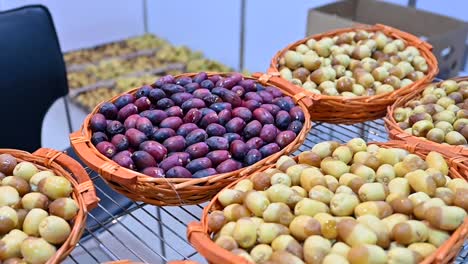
[32, 75]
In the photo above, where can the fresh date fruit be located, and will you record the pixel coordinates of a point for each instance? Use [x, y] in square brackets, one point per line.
[124, 100]
[153, 172]
[98, 123]
[143, 159]
[106, 148]
[197, 150]
[162, 134]
[178, 172]
[155, 149]
[252, 157]
[228, 166]
[108, 110]
[197, 135]
[120, 142]
[175, 143]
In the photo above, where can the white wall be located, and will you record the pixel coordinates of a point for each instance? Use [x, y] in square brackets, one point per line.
[86, 23]
[214, 27]
[211, 26]
[271, 25]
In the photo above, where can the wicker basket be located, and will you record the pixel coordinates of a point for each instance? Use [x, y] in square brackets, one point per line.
[170, 191]
[83, 189]
[199, 236]
[342, 110]
[395, 132]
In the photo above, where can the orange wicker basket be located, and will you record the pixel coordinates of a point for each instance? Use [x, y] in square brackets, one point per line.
[199, 235]
[172, 191]
[395, 132]
[342, 110]
[83, 189]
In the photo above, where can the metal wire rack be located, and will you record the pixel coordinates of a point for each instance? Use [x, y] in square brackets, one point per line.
[150, 234]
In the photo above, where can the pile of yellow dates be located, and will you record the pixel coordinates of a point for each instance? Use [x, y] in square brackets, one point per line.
[350, 203]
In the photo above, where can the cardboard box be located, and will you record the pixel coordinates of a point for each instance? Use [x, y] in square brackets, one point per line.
[446, 35]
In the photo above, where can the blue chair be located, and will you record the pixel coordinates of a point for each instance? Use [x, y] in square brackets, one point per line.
[32, 78]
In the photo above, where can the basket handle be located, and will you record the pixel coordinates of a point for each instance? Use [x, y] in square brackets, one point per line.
[106, 168]
[85, 185]
[207, 248]
[406, 35]
[299, 94]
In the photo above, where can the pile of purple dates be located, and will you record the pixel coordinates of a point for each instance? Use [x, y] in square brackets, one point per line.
[193, 127]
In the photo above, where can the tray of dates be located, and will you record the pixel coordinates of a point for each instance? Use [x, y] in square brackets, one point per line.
[184, 138]
[44, 200]
[97, 74]
[340, 203]
[353, 74]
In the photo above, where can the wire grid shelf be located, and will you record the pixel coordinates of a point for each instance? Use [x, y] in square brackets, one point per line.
[150, 234]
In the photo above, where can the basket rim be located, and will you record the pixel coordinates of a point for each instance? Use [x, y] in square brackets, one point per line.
[395, 132]
[203, 236]
[111, 171]
[423, 47]
[83, 191]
